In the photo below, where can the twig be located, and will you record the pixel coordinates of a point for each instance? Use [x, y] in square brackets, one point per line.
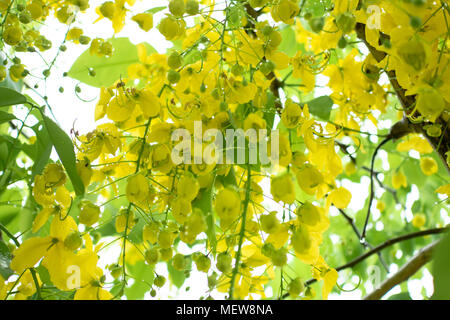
[365, 244]
[382, 246]
[241, 234]
[9, 234]
[372, 192]
[410, 268]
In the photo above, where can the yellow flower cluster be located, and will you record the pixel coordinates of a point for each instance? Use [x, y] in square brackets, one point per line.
[223, 77]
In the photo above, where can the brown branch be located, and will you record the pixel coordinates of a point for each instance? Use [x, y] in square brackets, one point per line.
[410, 268]
[382, 246]
[440, 144]
[372, 187]
[364, 243]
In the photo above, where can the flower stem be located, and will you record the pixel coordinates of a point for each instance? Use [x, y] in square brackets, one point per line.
[241, 234]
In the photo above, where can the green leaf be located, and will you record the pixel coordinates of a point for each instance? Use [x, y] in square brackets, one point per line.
[42, 159]
[43, 149]
[5, 117]
[321, 107]
[8, 83]
[143, 275]
[413, 175]
[400, 296]
[5, 259]
[289, 44]
[441, 267]
[155, 10]
[204, 203]
[44, 275]
[108, 70]
[269, 115]
[64, 148]
[10, 97]
[175, 276]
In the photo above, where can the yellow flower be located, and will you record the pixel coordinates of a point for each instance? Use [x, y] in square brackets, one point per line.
[419, 220]
[340, 198]
[309, 178]
[181, 208]
[89, 213]
[399, 180]
[350, 168]
[428, 165]
[91, 288]
[161, 159]
[444, 190]
[255, 122]
[302, 64]
[74, 34]
[227, 204]
[187, 187]
[138, 189]
[282, 188]
[105, 96]
[322, 271]
[292, 114]
[285, 10]
[415, 142]
[381, 206]
[284, 151]
[120, 108]
[312, 217]
[125, 220]
[3, 285]
[54, 175]
[269, 223]
[144, 20]
[57, 257]
[430, 103]
[27, 285]
[148, 102]
[301, 241]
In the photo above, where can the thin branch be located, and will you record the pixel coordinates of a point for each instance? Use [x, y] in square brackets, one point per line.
[365, 243]
[9, 234]
[382, 246]
[242, 232]
[391, 242]
[410, 268]
[372, 191]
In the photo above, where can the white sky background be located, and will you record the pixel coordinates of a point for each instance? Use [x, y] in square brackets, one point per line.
[68, 109]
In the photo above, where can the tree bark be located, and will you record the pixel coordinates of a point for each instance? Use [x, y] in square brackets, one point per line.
[418, 261]
[440, 144]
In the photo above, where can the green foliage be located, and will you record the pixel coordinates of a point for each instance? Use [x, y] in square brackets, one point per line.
[65, 150]
[108, 69]
[321, 107]
[10, 97]
[400, 296]
[5, 259]
[155, 10]
[441, 269]
[176, 277]
[204, 203]
[143, 275]
[289, 44]
[5, 117]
